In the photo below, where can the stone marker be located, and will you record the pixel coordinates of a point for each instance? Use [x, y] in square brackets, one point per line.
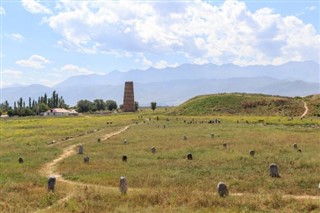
[252, 152]
[153, 149]
[273, 169]
[299, 150]
[222, 189]
[295, 146]
[125, 141]
[185, 138]
[124, 158]
[123, 185]
[212, 135]
[80, 152]
[86, 159]
[98, 140]
[51, 183]
[225, 145]
[20, 160]
[189, 156]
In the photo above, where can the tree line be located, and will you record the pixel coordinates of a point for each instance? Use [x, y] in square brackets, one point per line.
[44, 103]
[96, 105]
[33, 107]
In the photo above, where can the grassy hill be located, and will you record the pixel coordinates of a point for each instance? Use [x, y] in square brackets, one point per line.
[313, 102]
[246, 104]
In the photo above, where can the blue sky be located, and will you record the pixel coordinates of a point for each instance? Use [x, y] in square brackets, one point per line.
[45, 42]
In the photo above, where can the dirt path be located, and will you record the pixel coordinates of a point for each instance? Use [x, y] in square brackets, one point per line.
[306, 109]
[50, 169]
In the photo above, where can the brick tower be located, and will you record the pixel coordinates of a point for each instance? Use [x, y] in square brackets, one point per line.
[128, 98]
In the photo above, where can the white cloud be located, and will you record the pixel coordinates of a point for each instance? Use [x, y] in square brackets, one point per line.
[9, 73]
[35, 61]
[311, 8]
[163, 64]
[200, 31]
[146, 63]
[16, 37]
[74, 68]
[2, 11]
[33, 6]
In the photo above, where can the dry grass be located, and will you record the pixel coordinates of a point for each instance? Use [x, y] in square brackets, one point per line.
[165, 181]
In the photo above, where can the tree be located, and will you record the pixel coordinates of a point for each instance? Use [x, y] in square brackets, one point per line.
[84, 106]
[136, 105]
[42, 107]
[5, 106]
[111, 105]
[99, 104]
[61, 103]
[153, 105]
[45, 98]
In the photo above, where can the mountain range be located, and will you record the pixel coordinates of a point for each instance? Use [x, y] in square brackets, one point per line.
[172, 86]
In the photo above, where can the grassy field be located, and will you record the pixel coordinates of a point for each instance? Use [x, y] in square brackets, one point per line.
[165, 181]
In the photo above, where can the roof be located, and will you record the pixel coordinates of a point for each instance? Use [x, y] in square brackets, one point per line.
[61, 110]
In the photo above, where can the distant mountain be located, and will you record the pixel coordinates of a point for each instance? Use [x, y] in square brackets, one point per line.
[172, 86]
[307, 71]
[12, 94]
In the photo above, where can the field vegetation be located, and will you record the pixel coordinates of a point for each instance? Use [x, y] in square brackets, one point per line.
[164, 181]
[247, 104]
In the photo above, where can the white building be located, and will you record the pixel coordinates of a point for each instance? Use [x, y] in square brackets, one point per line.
[60, 112]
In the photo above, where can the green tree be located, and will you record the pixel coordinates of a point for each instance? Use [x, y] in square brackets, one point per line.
[99, 104]
[111, 105]
[45, 98]
[153, 105]
[84, 106]
[136, 105]
[41, 107]
[30, 103]
[5, 106]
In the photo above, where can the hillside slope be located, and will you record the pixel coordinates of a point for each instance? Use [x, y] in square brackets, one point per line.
[240, 103]
[313, 102]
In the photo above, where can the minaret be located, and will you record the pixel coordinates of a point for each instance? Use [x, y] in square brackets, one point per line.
[128, 98]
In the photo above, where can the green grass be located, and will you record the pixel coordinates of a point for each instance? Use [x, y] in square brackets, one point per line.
[246, 104]
[165, 181]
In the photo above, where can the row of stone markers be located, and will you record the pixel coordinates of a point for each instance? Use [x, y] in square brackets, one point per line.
[221, 187]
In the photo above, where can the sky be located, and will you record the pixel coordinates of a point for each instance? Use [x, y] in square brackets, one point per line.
[46, 42]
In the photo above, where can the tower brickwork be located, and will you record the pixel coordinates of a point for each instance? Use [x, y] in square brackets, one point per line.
[128, 98]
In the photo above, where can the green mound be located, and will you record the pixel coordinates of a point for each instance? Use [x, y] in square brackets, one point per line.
[244, 104]
[313, 103]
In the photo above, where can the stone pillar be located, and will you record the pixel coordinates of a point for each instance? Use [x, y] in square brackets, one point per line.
[51, 184]
[123, 185]
[128, 98]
